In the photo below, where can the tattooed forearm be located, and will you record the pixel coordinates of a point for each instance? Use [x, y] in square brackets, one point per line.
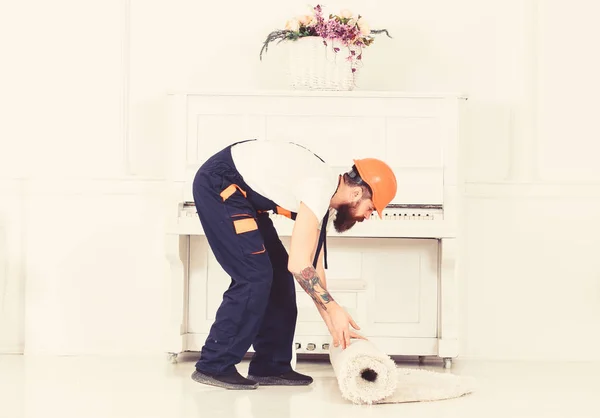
[311, 283]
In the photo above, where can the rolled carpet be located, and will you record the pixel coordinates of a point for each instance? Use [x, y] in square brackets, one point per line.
[366, 375]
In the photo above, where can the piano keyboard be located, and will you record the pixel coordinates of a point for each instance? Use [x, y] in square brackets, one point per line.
[393, 212]
[396, 212]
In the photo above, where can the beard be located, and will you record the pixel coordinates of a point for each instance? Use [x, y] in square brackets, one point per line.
[346, 217]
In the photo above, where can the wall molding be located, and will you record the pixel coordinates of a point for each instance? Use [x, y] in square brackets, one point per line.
[118, 186]
[126, 87]
[523, 163]
[525, 190]
[156, 186]
[533, 85]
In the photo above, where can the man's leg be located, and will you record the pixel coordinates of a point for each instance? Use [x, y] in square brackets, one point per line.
[229, 222]
[270, 364]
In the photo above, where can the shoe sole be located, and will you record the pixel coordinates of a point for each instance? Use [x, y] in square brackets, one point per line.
[278, 381]
[207, 380]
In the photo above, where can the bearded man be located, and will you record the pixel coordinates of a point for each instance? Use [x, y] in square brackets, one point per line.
[234, 192]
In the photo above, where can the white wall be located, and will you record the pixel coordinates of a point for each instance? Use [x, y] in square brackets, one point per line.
[84, 266]
[12, 263]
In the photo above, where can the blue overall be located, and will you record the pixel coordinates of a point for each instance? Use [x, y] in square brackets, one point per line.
[259, 307]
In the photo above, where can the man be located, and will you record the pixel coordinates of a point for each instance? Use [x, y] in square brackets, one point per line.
[233, 192]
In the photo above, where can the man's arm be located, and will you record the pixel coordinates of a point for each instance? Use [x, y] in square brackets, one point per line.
[303, 243]
[304, 240]
[321, 274]
[320, 267]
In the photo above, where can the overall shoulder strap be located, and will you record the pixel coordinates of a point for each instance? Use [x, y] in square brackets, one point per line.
[322, 242]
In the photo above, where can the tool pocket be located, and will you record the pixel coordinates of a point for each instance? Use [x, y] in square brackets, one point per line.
[243, 225]
[243, 219]
[248, 235]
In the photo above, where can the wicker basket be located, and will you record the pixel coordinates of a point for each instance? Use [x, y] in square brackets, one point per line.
[316, 66]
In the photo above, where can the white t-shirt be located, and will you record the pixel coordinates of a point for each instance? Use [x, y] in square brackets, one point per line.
[287, 174]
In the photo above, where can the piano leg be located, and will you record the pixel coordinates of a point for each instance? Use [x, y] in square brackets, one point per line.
[448, 332]
[177, 247]
[173, 357]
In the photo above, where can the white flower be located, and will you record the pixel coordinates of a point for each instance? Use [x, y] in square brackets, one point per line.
[346, 14]
[293, 25]
[306, 20]
[364, 27]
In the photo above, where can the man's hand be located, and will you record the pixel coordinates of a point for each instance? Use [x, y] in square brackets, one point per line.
[338, 321]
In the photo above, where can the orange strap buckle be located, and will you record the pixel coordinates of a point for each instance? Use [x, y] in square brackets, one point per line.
[284, 212]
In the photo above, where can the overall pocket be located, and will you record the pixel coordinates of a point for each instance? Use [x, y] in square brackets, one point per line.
[243, 219]
[246, 229]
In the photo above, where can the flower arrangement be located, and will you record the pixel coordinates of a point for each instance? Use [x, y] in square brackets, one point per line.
[346, 29]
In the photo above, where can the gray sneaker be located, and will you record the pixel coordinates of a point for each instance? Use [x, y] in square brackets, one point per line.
[230, 380]
[291, 378]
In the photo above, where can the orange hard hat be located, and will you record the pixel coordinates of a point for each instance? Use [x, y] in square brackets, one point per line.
[380, 178]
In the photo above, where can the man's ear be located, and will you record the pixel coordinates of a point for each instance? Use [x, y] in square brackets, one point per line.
[356, 194]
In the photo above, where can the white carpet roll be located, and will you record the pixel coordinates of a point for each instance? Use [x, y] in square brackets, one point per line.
[365, 375]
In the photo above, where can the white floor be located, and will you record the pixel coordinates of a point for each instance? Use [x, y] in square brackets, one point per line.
[90, 387]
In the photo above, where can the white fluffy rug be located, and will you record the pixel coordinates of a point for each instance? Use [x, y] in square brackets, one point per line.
[365, 375]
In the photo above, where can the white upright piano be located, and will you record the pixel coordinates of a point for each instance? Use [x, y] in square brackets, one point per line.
[397, 276]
